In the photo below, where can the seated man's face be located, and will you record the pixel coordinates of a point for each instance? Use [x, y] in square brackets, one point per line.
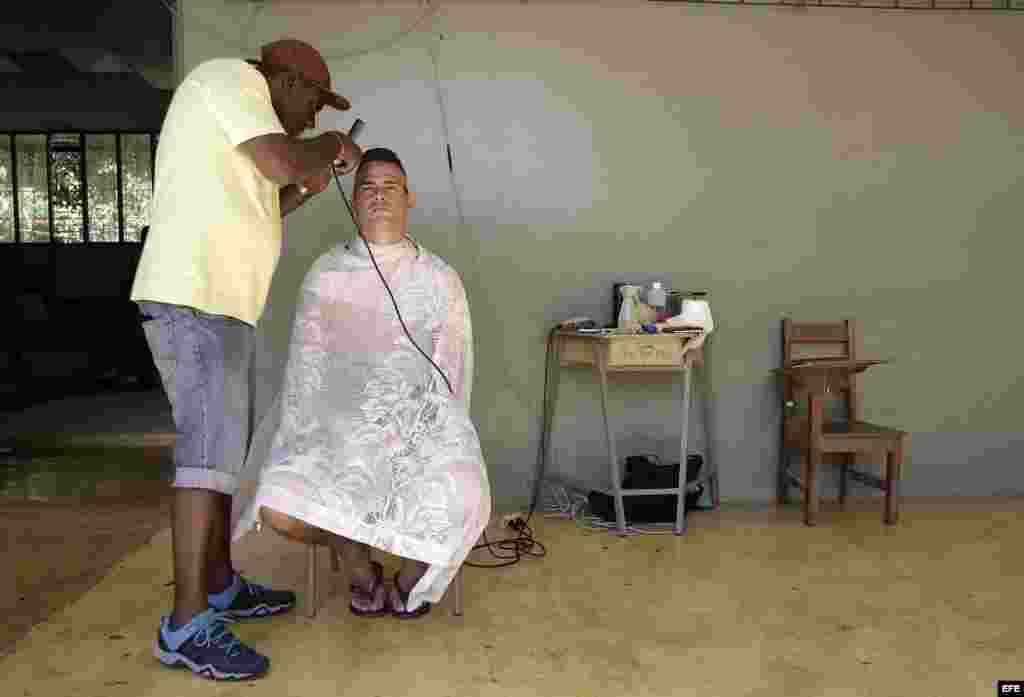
[382, 199]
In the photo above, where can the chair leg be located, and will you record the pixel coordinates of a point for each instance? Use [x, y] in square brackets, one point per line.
[893, 465]
[312, 569]
[457, 582]
[810, 498]
[844, 471]
[814, 423]
[716, 501]
[782, 484]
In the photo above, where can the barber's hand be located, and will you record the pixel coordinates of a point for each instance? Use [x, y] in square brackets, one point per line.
[316, 183]
[348, 155]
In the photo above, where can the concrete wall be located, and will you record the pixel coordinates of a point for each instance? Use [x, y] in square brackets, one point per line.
[817, 163]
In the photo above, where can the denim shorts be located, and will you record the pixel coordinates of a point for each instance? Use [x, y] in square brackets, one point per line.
[204, 364]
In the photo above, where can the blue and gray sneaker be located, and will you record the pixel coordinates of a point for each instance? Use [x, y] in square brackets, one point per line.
[208, 648]
[243, 599]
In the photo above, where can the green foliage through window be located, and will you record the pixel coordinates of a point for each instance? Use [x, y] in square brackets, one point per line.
[71, 187]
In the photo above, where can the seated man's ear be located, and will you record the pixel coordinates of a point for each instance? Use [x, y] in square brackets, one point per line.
[412, 199]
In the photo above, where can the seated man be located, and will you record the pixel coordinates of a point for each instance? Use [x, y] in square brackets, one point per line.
[375, 447]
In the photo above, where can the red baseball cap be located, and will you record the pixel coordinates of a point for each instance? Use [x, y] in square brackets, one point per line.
[307, 61]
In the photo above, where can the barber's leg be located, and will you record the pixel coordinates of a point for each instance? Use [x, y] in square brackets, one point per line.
[231, 361]
[228, 359]
[219, 572]
[193, 512]
[194, 634]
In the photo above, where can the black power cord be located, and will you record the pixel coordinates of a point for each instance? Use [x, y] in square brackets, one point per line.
[337, 180]
[545, 425]
[511, 549]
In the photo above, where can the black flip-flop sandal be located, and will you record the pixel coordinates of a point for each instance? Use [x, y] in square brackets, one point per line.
[404, 613]
[370, 594]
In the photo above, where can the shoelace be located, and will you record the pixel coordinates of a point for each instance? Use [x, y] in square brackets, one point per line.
[253, 588]
[218, 636]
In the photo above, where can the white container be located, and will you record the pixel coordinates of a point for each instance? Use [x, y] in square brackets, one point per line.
[696, 311]
[656, 295]
[629, 311]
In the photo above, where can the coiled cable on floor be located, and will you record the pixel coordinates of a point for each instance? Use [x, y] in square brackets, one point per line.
[511, 550]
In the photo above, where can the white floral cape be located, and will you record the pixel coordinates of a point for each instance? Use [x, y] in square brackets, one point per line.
[365, 440]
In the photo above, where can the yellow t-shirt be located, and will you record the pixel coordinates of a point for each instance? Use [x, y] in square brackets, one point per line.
[215, 223]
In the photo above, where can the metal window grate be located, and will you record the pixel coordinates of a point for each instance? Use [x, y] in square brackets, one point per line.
[63, 186]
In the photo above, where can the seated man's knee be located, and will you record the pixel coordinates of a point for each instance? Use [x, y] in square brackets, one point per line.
[290, 527]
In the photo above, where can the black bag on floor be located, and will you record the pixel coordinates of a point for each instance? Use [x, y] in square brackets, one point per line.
[643, 472]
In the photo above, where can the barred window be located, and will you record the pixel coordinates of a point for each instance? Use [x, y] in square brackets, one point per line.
[75, 187]
[6, 190]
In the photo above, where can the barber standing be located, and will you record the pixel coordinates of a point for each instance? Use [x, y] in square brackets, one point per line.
[229, 166]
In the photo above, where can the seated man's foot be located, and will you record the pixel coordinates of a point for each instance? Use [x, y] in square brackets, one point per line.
[400, 601]
[208, 648]
[243, 599]
[369, 594]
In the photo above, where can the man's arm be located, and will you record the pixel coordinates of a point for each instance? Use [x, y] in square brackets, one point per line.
[286, 160]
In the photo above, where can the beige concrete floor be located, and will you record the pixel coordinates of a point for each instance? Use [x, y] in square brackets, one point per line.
[748, 603]
[57, 549]
[81, 485]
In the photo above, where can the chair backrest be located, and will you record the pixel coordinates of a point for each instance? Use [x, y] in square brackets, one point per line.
[803, 341]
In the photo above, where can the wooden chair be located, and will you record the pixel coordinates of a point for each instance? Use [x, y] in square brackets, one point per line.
[313, 575]
[820, 364]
